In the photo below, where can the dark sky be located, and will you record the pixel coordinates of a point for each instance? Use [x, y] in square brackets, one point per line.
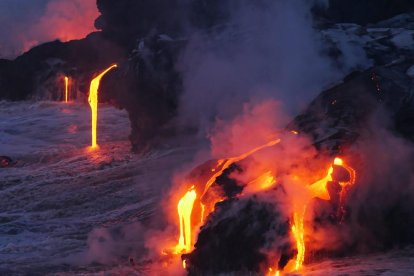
[21, 9]
[26, 23]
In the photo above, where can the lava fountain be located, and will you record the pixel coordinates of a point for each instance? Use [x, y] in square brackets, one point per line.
[93, 102]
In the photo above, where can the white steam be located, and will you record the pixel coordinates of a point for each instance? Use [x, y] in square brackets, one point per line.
[267, 50]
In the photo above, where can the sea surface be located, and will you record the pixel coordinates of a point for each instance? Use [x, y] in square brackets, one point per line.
[68, 210]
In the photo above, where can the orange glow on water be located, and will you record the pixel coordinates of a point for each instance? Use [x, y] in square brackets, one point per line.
[93, 102]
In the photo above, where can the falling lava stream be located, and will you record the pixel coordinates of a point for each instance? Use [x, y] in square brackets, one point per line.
[58, 191]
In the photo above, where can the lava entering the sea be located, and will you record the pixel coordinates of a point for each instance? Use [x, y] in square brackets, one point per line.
[66, 89]
[93, 102]
[201, 199]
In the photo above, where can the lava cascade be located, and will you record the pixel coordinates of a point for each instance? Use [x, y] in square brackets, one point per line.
[66, 89]
[93, 102]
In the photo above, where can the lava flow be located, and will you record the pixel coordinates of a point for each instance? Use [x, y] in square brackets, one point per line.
[186, 203]
[93, 102]
[185, 208]
[66, 88]
[206, 201]
[225, 164]
[317, 190]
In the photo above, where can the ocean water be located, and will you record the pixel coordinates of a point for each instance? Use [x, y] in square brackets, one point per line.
[67, 210]
[59, 191]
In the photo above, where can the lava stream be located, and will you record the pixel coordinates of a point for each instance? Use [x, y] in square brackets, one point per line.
[185, 209]
[317, 189]
[93, 102]
[186, 203]
[225, 164]
[298, 231]
[66, 88]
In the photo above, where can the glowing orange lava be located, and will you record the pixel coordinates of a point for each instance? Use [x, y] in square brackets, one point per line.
[206, 202]
[225, 164]
[317, 190]
[263, 182]
[66, 88]
[93, 102]
[298, 231]
[273, 273]
[185, 209]
[186, 203]
[352, 174]
[344, 185]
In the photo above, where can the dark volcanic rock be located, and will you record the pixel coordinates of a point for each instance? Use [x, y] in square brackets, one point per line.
[126, 20]
[146, 83]
[28, 76]
[337, 116]
[228, 185]
[362, 12]
[148, 87]
[236, 237]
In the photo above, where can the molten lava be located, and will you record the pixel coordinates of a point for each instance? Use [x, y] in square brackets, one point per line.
[66, 89]
[298, 231]
[207, 200]
[186, 203]
[263, 182]
[225, 164]
[93, 102]
[273, 273]
[185, 209]
[317, 190]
